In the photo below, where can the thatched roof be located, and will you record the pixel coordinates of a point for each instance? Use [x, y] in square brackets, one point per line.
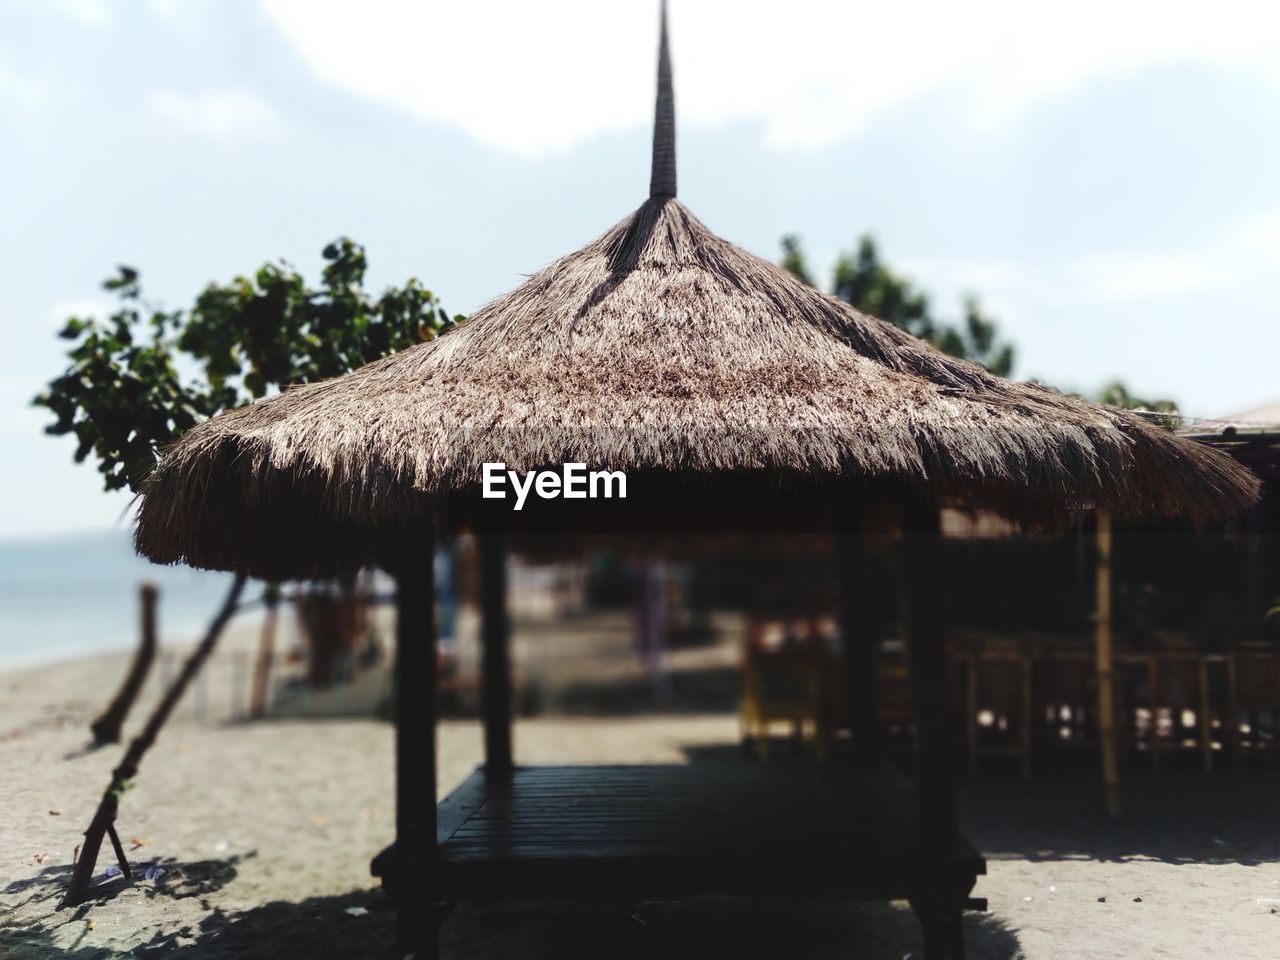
[663, 349]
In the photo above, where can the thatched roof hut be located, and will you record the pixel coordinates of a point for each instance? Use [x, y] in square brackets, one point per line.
[713, 378]
[662, 349]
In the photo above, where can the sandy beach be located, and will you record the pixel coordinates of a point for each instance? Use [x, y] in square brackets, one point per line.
[262, 833]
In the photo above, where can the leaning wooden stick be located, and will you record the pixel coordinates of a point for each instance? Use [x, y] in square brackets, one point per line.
[120, 857]
[103, 822]
[106, 728]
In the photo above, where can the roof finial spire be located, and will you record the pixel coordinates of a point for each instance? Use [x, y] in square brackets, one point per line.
[662, 180]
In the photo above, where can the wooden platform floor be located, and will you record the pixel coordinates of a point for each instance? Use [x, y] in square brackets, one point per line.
[662, 832]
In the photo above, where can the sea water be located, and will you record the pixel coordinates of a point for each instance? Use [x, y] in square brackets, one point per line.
[75, 594]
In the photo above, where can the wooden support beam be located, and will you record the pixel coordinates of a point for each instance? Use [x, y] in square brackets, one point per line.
[266, 654]
[495, 664]
[416, 695]
[860, 640]
[937, 903]
[1206, 713]
[1105, 665]
[1155, 684]
[1233, 707]
[930, 689]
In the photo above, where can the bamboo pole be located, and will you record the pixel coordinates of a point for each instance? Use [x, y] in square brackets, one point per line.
[1106, 676]
[266, 654]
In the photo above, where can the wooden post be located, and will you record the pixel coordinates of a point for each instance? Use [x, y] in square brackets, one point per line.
[1206, 713]
[1026, 716]
[1233, 707]
[202, 695]
[971, 709]
[1155, 683]
[930, 691]
[107, 727]
[1106, 676]
[416, 745]
[937, 820]
[237, 685]
[495, 665]
[266, 654]
[860, 642]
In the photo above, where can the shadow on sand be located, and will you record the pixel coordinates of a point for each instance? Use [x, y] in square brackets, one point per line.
[155, 877]
[360, 925]
[708, 690]
[162, 879]
[1180, 815]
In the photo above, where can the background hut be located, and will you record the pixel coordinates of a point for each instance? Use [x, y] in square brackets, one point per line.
[733, 395]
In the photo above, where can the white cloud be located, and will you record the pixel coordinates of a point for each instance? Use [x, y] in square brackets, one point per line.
[1242, 256]
[216, 114]
[1260, 237]
[1143, 276]
[85, 13]
[93, 14]
[25, 92]
[97, 14]
[966, 274]
[538, 76]
[167, 9]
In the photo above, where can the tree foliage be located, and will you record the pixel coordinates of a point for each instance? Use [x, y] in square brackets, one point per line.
[1117, 394]
[140, 378]
[864, 281]
[794, 261]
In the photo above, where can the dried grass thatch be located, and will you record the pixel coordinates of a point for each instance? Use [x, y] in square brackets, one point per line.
[663, 349]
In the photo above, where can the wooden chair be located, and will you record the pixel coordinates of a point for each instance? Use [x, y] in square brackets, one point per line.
[997, 689]
[894, 723]
[1066, 706]
[1178, 681]
[1253, 692]
[781, 685]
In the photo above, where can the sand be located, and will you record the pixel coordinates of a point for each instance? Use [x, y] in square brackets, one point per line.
[264, 832]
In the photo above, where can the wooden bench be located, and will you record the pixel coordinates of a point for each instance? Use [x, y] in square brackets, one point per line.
[720, 827]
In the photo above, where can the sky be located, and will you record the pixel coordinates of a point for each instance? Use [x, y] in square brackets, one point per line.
[1101, 174]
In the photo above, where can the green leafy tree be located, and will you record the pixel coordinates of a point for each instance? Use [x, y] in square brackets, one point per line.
[124, 394]
[1116, 394]
[140, 378]
[864, 281]
[793, 259]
